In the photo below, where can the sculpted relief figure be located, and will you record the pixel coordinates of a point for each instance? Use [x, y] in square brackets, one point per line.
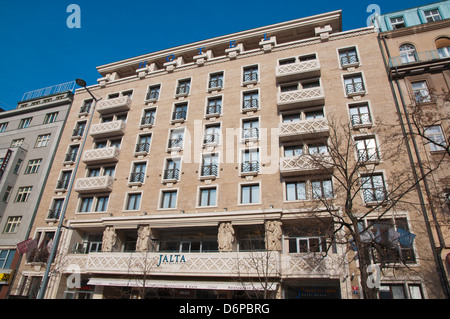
[109, 239]
[225, 237]
[273, 235]
[143, 238]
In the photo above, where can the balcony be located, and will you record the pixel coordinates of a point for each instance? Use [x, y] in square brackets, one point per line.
[300, 98]
[108, 129]
[419, 62]
[297, 71]
[94, 184]
[118, 104]
[101, 155]
[171, 175]
[209, 171]
[303, 129]
[305, 164]
[250, 168]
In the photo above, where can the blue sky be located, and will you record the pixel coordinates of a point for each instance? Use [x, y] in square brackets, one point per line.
[37, 49]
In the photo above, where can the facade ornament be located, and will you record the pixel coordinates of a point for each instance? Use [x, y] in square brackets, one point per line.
[273, 235]
[109, 239]
[226, 237]
[143, 238]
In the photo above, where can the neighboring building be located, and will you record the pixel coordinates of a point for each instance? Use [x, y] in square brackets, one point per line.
[29, 136]
[416, 47]
[193, 175]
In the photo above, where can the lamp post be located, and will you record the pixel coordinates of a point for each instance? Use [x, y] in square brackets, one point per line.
[56, 239]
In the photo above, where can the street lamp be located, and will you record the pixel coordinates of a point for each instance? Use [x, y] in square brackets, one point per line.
[56, 239]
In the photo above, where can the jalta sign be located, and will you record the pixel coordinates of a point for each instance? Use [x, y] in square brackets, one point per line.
[170, 259]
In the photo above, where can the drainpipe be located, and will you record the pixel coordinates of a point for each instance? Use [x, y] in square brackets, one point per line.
[436, 250]
[44, 282]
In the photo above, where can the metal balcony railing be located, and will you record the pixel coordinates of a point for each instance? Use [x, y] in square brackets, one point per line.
[349, 59]
[417, 57]
[216, 109]
[178, 142]
[374, 194]
[136, 177]
[152, 95]
[250, 77]
[211, 138]
[179, 115]
[354, 88]
[148, 120]
[182, 90]
[142, 147]
[248, 133]
[216, 83]
[54, 213]
[250, 104]
[250, 166]
[171, 173]
[361, 119]
[70, 157]
[209, 170]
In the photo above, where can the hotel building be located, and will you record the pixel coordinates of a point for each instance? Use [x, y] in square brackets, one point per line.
[29, 136]
[193, 175]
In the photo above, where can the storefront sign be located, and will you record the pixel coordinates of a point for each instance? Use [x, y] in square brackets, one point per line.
[5, 276]
[26, 246]
[170, 259]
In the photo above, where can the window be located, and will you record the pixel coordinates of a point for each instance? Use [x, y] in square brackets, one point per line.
[176, 139]
[318, 148]
[17, 142]
[148, 118]
[172, 169]
[250, 194]
[250, 74]
[23, 193]
[354, 84]
[153, 93]
[348, 57]
[42, 140]
[56, 209]
[208, 196]
[295, 191]
[6, 258]
[437, 136]
[7, 193]
[169, 199]
[50, 117]
[212, 134]
[307, 245]
[24, 123]
[250, 161]
[179, 112]
[250, 129]
[17, 167]
[138, 173]
[12, 224]
[373, 188]
[312, 115]
[210, 165]
[397, 23]
[432, 15]
[360, 115]
[71, 156]
[183, 87]
[79, 129]
[293, 117]
[143, 144]
[64, 180]
[322, 188]
[293, 150]
[250, 100]
[86, 107]
[3, 126]
[101, 204]
[442, 46]
[214, 106]
[86, 204]
[33, 166]
[408, 53]
[216, 80]
[366, 149]
[421, 92]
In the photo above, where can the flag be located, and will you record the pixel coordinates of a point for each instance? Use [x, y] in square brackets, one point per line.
[26, 246]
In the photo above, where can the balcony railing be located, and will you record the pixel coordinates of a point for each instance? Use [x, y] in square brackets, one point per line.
[62, 184]
[142, 148]
[101, 155]
[355, 88]
[251, 104]
[179, 116]
[211, 139]
[417, 57]
[182, 90]
[298, 71]
[250, 167]
[215, 84]
[152, 96]
[303, 129]
[304, 164]
[349, 60]
[137, 177]
[94, 184]
[361, 119]
[213, 111]
[171, 174]
[250, 133]
[374, 194]
[209, 170]
[147, 121]
[108, 129]
[117, 104]
[300, 98]
[250, 77]
[54, 213]
[175, 143]
[70, 158]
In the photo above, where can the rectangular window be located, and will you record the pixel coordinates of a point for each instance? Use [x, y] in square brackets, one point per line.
[24, 123]
[56, 209]
[322, 188]
[397, 23]
[250, 161]
[214, 106]
[17, 167]
[138, 173]
[367, 149]
[295, 191]
[212, 134]
[250, 129]
[143, 144]
[86, 204]
[210, 165]
[354, 84]
[180, 112]
[172, 169]
[183, 87]
[176, 139]
[71, 156]
[307, 245]
[12, 224]
[87, 104]
[169, 199]
[360, 115]
[250, 194]
[432, 15]
[79, 129]
[50, 117]
[435, 134]
[208, 196]
[102, 203]
[250, 100]
[64, 180]
[348, 56]
[421, 92]
[250, 74]
[42, 140]
[153, 92]
[33, 166]
[148, 118]
[133, 201]
[7, 193]
[373, 188]
[216, 80]
[294, 150]
[3, 126]
[23, 193]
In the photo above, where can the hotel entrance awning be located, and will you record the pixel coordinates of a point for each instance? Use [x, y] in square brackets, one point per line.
[178, 284]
